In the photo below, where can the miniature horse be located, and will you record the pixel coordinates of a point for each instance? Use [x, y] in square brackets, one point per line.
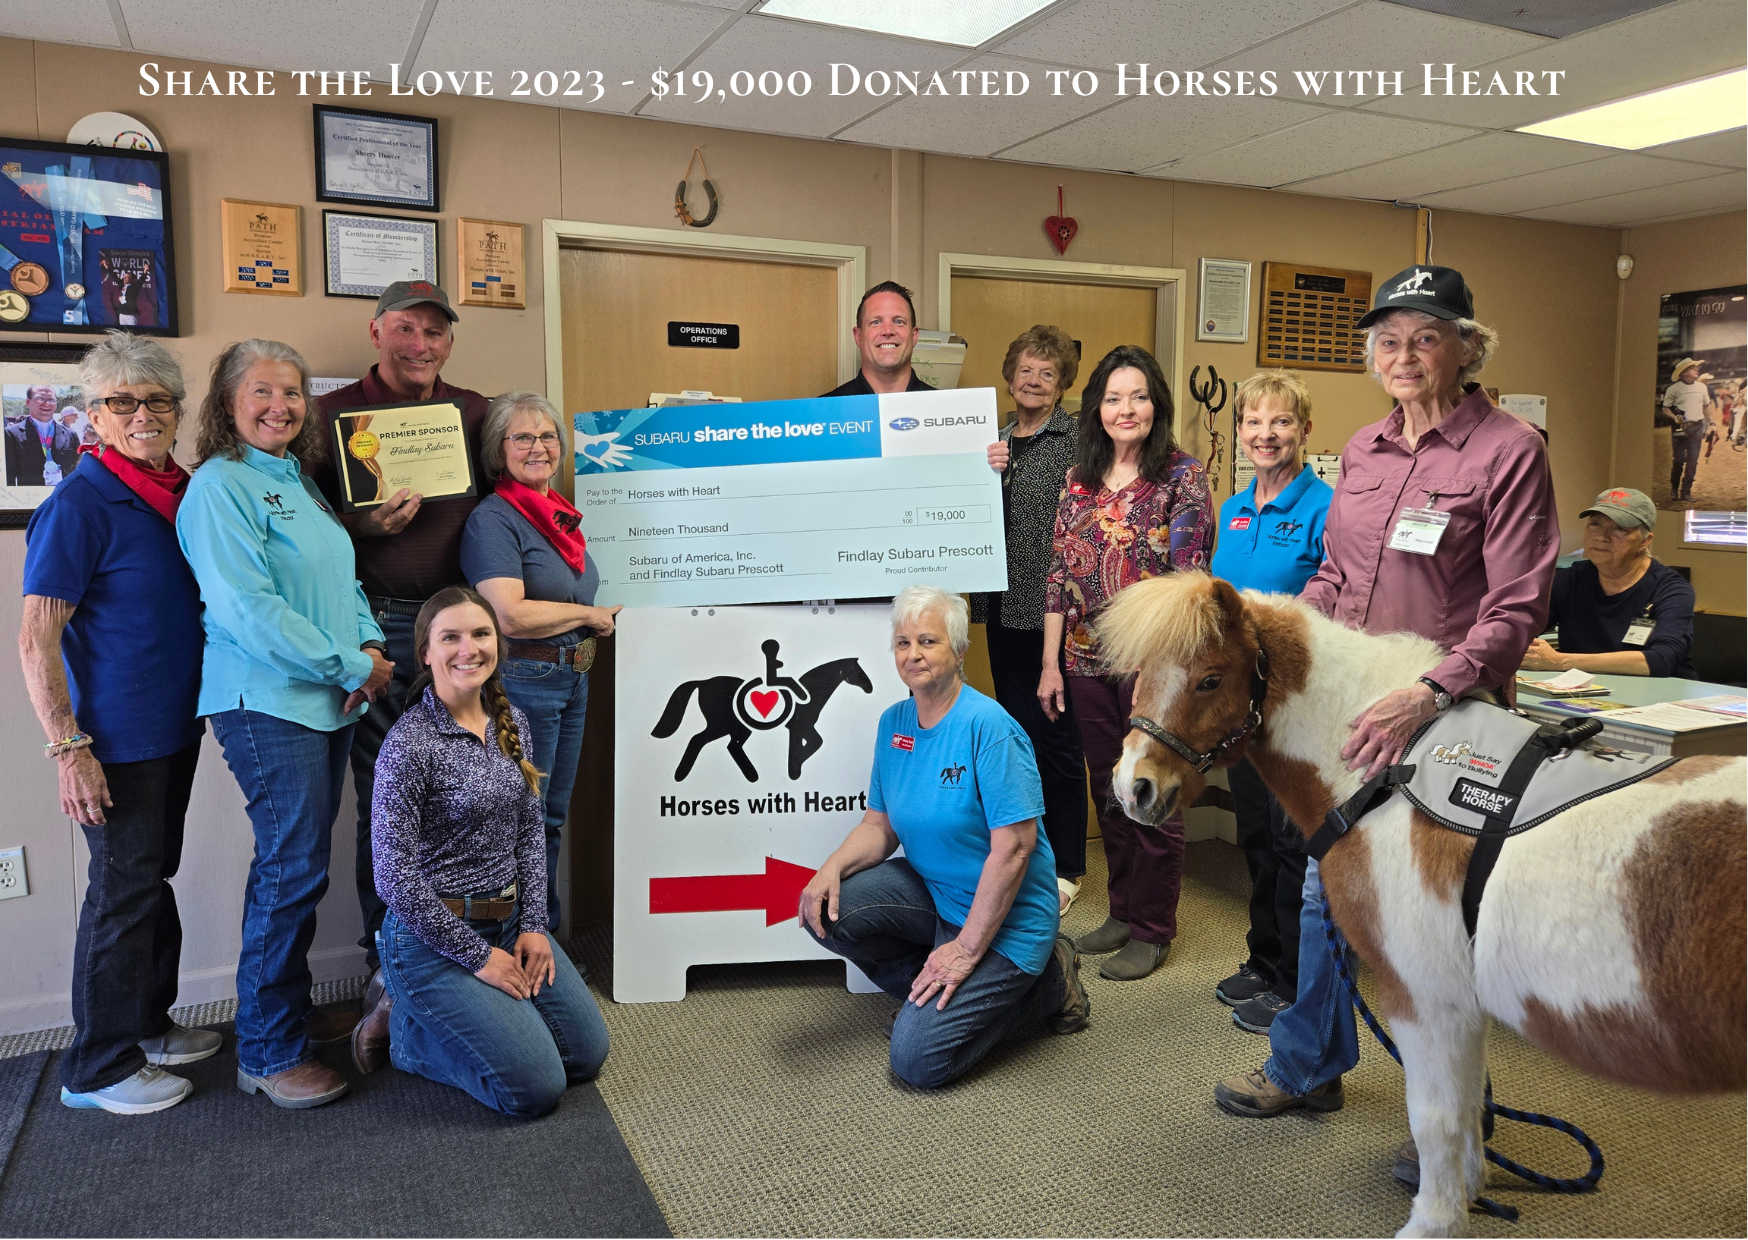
[1611, 936]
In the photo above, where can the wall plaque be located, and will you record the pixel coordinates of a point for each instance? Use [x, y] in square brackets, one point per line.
[263, 250]
[703, 335]
[1308, 316]
[491, 261]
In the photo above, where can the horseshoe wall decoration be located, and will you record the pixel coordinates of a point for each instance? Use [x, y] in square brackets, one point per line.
[680, 207]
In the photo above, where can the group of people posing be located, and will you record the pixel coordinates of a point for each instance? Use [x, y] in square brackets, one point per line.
[441, 651]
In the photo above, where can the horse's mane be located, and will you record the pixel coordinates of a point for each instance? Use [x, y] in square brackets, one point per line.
[1167, 618]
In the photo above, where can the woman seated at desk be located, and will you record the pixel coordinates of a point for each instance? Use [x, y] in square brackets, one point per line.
[1618, 610]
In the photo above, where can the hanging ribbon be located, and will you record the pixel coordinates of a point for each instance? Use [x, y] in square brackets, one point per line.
[680, 207]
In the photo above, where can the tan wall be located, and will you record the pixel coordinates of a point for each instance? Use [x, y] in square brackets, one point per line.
[1548, 287]
[1672, 258]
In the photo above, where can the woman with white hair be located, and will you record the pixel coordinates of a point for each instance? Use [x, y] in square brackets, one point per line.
[524, 549]
[963, 929]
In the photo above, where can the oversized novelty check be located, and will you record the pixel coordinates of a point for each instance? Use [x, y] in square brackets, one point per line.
[773, 501]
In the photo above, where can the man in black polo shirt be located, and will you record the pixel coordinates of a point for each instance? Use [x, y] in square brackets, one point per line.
[885, 334]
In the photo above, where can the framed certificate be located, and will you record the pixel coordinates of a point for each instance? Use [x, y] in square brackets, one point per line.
[380, 159]
[364, 254]
[422, 447]
[1223, 309]
[490, 267]
[263, 247]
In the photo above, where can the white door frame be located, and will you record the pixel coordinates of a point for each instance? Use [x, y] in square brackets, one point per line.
[1169, 285]
[850, 262]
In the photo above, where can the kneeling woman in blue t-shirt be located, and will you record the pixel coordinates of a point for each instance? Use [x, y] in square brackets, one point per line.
[963, 928]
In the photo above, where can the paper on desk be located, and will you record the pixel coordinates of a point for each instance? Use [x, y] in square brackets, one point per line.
[1668, 717]
[1731, 704]
[1573, 679]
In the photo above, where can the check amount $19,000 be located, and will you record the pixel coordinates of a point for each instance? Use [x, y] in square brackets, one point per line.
[774, 501]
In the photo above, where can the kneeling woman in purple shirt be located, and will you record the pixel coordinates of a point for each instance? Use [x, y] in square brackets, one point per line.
[473, 991]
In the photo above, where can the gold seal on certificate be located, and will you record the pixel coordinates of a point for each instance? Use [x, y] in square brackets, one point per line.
[419, 447]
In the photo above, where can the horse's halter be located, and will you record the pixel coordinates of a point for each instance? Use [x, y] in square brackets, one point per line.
[1259, 688]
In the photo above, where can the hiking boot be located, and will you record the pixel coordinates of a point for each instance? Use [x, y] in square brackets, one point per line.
[181, 1046]
[1135, 961]
[310, 1084]
[1254, 1096]
[150, 1089]
[1076, 1007]
[1241, 987]
[1107, 938]
[1259, 1013]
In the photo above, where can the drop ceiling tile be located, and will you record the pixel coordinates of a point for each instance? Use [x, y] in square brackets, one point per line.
[1702, 197]
[319, 34]
[756, 44]
[1729, 148]
[1142, 133]
[1168, 34]
[1490, 157]
[975, 125]
[1675, 43]
[1331, 143]
[1375, 35]
[625, 40]
[1615, 174]
[59, 21]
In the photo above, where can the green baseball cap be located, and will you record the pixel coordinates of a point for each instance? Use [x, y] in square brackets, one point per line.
[1626, 507]
[404, 294]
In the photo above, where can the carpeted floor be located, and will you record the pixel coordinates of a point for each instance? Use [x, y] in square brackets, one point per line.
[762, 1105]
[399, 1156]
[18, 1078]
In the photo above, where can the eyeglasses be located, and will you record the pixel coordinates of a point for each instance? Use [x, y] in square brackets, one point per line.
[124, 405]
[550, 441]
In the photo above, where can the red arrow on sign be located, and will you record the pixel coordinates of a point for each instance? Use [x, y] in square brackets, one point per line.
[777, 891]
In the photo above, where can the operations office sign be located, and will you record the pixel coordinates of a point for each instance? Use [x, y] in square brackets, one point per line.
[703, 335]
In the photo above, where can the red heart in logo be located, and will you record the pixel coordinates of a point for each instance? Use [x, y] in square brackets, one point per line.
[1061, 229]
[765, 702]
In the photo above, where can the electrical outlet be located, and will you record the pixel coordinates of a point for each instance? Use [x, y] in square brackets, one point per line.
[13, 879]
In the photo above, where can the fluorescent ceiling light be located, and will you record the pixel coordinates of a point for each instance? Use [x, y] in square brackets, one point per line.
[965, 23]
[1668, 115]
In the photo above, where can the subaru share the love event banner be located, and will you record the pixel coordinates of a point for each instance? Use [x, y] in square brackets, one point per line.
[772, 501]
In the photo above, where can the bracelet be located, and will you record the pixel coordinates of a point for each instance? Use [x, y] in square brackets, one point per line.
[79, 740]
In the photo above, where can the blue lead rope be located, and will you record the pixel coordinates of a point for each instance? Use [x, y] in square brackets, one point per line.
[1583, 1184]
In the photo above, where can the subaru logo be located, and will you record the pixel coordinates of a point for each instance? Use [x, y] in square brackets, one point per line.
[904, 424]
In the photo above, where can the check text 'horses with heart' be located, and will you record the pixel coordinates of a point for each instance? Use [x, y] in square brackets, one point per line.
[1612, 935]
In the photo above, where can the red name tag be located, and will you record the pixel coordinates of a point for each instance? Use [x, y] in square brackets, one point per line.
[1239, 523]
[901, 741]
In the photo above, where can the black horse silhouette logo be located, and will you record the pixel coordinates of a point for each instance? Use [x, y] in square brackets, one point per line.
[951, 775]
[736, 708]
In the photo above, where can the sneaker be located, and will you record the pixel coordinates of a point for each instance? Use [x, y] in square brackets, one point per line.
[181, 1046]
[150, 1089]
[1254, 1096]
[1259, 1013]
[1076, 1007]
[1241, 987]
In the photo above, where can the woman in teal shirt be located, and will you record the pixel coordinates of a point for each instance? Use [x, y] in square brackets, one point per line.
[292, 654]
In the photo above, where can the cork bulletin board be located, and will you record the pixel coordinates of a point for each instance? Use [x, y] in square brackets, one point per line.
[1307, 316]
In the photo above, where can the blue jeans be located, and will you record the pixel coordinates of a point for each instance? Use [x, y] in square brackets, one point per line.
[556, 701]
[397, 637]
[887, 926]
[515, 1055]
[1314, 1041]
[291, 777]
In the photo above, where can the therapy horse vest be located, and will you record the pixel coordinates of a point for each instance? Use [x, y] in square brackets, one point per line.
[1492, 773]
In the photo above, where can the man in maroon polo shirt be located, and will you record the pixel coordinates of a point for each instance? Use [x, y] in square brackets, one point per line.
[407, 549]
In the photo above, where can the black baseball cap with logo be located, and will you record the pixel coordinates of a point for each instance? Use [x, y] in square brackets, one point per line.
[404, 294]
[1438, 291]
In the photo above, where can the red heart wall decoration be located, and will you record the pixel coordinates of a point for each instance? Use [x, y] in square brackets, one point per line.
[1060, 228]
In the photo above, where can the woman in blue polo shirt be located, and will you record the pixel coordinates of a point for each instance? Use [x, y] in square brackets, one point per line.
[1270, 538]
[292, 653]
[101, 568]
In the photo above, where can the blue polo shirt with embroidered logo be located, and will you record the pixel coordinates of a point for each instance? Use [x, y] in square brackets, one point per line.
[945, 789]
[1278, 549]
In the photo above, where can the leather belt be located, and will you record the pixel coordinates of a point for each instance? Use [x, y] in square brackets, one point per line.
[488, 906]
[408, 607]
[579, 658]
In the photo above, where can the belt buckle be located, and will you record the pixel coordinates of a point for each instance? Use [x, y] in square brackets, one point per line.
[582, 656]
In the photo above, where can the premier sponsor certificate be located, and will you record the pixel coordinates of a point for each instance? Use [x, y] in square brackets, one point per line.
[384, 448]
[847, 497]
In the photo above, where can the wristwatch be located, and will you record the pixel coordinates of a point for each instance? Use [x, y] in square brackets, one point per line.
[1440, 699]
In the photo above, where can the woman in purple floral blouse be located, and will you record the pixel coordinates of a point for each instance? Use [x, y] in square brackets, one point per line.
[1136, 506]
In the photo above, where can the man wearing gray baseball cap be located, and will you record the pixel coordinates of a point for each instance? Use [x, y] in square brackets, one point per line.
[1618, 610]
[406, 550]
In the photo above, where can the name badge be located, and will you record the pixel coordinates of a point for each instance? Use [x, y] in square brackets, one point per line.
[901, 741]
[1239, 523]
[1419, 530]
[1639, 631]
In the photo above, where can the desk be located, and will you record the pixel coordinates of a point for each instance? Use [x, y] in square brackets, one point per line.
[1730, 736]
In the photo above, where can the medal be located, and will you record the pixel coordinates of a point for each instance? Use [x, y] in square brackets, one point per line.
[14, 307]
[31, 279]
[75, 292]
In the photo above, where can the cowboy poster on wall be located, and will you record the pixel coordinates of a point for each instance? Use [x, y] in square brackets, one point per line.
[1702, 361]
[742, 763]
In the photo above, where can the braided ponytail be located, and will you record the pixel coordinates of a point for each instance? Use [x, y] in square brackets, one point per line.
[509, 739]
[497, 702]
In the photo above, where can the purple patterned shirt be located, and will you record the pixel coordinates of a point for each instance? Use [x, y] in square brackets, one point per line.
[1105, 540]
[451, 816]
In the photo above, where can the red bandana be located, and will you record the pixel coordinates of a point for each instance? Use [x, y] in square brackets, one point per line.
[552, 514]
[162, 489]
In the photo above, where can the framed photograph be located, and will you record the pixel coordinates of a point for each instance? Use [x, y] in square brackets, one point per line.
[1223, 307]
[42, 411]
[263, 247]
[364, 254]
[1699, 419]
[85, 239]
[489, 266]
[382, 159]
